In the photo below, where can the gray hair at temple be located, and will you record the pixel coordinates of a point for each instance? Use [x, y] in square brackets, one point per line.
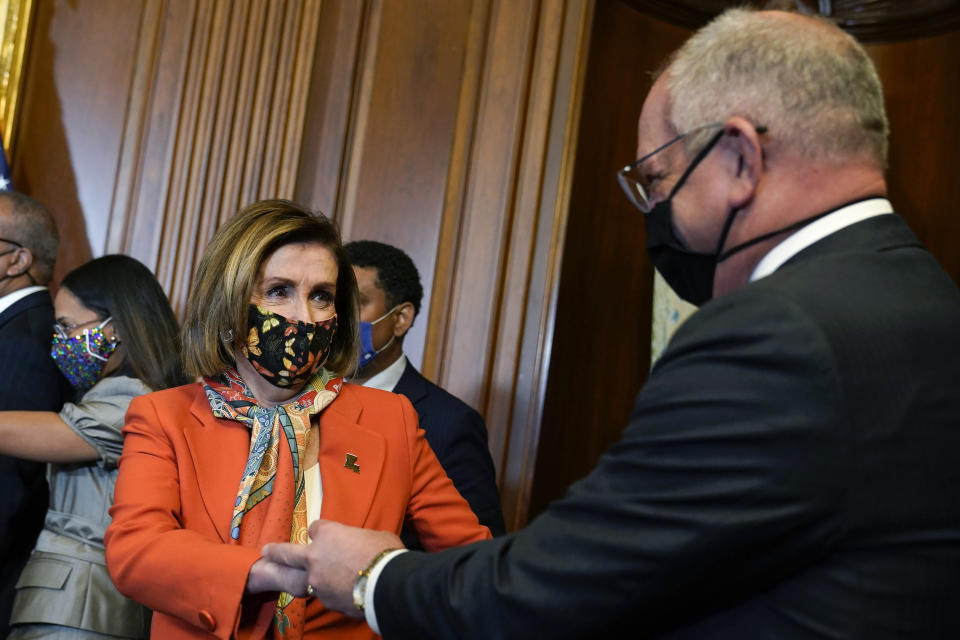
[30, 224]
[811, 84]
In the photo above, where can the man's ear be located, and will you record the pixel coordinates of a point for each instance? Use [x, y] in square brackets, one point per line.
[745, 152]
[22, 261]
[403, 319]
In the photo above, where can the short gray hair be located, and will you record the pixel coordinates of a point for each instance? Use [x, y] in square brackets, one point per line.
[30, 224]
[810, 83]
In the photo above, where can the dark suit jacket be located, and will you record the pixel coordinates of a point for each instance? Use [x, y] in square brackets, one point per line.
[458, 437]
[791, 470]
[29, 381]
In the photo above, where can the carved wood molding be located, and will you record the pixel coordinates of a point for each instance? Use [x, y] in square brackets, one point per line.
[505, 215]
[868, 20]
[215, 122]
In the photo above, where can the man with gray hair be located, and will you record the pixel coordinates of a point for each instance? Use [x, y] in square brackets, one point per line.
[790, 469]
[29, 379]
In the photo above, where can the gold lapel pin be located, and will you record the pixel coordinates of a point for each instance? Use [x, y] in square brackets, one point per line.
[351, 463]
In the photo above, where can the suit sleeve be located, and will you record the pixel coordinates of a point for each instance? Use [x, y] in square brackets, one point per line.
[29, 380]
[437, 511]
[465, 456]
[728, 477]
[151, 558]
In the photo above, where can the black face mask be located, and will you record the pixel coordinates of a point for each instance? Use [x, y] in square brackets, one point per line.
[690, 273]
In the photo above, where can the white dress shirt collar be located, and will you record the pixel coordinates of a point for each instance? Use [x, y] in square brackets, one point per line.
[8, 300]
[387, 379]
[817, 230]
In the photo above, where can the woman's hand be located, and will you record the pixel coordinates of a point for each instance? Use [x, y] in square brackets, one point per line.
[332, 560]
[270, 576]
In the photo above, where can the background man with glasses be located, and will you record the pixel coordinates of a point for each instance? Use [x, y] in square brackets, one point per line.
[790, 469]
[29, 379]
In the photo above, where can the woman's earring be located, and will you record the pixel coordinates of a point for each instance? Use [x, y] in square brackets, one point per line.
[226, 336]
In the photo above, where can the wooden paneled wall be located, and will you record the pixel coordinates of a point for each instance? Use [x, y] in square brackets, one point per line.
[214, 121]
[601, 342]
[921, 82]
[451, 138]
[445, 127]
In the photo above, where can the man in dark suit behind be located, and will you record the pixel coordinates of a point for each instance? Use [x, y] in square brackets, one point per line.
[791, 466]
[29, 379]
[390, 295]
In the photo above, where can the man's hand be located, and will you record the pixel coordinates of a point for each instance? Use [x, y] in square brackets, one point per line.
[332, 560]
[270, 576]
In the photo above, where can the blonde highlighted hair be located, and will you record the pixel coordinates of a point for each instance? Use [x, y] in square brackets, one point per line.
[216, 317]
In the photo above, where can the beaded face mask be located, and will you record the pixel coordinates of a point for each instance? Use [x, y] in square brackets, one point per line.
[82, 358]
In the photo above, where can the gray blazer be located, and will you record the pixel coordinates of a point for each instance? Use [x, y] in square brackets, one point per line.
[65, 581]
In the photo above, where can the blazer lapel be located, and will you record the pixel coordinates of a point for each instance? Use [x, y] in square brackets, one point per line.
[351, 460]
[216, 446]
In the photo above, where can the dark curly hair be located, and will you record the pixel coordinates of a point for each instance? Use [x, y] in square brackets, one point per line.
[397, 276]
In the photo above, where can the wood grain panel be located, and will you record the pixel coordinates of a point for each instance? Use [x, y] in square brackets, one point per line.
[402, 132]
[523, 348]
[924, 138]
[331, 98]
[451, 139]
[134, 125]
[601, 338]
[488, 203]
[149, 132]
[220, 125]
[191, 148]
[80, 67]
[234, 195]
[457, 177]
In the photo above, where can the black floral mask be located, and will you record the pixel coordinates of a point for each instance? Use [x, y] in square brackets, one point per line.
[286, 353]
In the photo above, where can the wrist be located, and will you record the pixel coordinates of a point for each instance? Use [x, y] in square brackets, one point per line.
[363, 576]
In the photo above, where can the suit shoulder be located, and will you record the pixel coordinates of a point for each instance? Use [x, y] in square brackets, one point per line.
[367, 395]
[172, 399]
[440, 398]
[427, 396]
[371, 402]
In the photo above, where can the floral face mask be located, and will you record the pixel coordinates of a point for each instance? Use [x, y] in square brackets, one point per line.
[284, 352]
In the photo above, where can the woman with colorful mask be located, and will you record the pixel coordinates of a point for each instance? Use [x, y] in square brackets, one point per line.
[115, 338]
[268, 440]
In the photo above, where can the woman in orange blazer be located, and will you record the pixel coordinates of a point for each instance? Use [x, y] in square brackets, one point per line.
[267, 441]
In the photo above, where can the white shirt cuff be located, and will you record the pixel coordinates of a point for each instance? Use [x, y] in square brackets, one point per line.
[368, 611]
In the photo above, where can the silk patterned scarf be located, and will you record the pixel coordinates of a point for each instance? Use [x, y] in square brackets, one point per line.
[231, 399]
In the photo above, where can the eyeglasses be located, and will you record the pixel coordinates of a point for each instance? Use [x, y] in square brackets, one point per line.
[639, 185]
[16, 244]
[63, 331]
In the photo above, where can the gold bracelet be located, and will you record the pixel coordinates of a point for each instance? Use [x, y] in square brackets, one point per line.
[360, 584]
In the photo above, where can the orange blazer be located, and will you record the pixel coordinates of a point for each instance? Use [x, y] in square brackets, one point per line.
[169, 547]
